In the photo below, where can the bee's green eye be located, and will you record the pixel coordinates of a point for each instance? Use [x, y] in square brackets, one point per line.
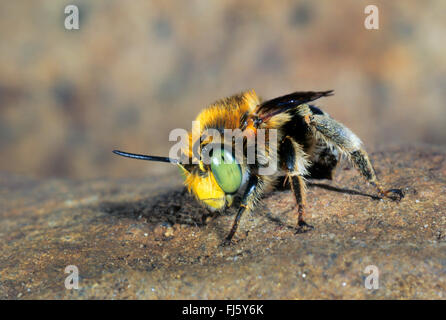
[226, 170]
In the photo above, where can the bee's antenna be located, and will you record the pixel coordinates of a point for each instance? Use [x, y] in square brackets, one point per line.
[145, 157]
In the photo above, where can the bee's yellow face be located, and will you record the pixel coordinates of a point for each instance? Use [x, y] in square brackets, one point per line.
[216, 186]
[206, 190]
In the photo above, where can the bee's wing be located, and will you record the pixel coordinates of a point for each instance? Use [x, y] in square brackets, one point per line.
[281, 104]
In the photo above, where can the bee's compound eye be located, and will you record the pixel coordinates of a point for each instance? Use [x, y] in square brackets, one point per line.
[226, 170]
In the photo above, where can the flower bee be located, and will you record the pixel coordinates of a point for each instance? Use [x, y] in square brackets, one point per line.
[309, 144]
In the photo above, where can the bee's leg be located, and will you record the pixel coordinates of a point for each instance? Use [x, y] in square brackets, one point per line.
[297, 184]
[294, 162]
[362, 162]
[252, 193]
[345, 140]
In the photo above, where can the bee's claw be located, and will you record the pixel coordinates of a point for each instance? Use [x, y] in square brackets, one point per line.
[226, 242]
[303, 227]
[393, 194]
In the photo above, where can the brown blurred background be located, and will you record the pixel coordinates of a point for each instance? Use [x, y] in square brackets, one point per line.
[137, 69]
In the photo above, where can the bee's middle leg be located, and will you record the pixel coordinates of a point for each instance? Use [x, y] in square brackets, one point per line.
[295, 163]
[297, 184]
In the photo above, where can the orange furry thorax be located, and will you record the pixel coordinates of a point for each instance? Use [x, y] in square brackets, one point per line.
[226, 113]
[222, 114]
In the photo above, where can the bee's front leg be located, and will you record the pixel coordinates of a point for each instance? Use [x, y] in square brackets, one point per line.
[253, 192]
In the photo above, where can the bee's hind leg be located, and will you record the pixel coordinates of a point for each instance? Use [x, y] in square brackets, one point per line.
[345, 140]
[362, 162]
[295, 163]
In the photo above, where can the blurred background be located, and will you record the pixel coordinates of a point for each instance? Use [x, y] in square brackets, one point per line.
[137, 69]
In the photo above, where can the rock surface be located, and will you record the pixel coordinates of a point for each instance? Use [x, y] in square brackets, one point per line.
[143, 238]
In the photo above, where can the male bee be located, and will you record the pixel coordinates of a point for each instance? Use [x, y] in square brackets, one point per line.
[309, 145]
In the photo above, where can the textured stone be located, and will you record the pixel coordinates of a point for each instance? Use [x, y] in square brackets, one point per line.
[143, 238]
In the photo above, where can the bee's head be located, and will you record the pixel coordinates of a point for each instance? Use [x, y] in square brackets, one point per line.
[213, 184]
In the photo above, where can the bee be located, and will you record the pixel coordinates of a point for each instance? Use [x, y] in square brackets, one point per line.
[309, 145]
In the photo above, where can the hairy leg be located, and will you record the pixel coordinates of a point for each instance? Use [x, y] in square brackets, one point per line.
[362, 162]
[252, 194]
[294, 162]
[344, 139]
[297, 184]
